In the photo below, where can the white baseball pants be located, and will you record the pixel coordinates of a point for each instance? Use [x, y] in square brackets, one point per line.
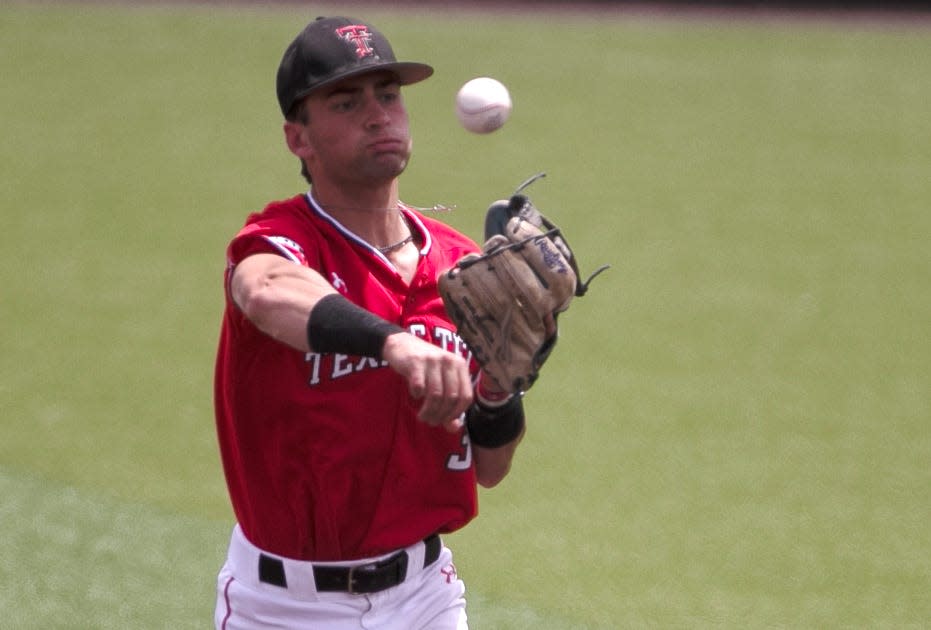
[429, 598]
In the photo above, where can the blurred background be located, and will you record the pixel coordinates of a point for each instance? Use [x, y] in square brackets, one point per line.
[734, 429]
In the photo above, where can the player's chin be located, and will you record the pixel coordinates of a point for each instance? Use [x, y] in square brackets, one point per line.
[386, 165]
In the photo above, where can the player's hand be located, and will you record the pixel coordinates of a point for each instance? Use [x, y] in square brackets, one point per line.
[438, 378]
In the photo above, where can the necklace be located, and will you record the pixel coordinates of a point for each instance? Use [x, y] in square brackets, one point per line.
[390, 248]
[387, 249]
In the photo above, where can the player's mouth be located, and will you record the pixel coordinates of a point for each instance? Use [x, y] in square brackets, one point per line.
[388, 145]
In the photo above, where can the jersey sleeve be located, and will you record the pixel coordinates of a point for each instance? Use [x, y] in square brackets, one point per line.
[265, 238]
[277, 230]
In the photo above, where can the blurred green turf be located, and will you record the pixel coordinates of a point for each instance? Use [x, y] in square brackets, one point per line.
[734, 430]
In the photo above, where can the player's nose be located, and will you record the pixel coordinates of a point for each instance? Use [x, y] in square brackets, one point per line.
[377, 115]
[376, 111]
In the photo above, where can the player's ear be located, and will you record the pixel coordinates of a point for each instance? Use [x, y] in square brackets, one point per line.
[296, 139]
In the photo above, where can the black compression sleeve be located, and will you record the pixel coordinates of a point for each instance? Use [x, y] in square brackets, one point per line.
[337, 325]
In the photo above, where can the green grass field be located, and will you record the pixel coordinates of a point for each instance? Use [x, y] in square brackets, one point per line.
[734, 430]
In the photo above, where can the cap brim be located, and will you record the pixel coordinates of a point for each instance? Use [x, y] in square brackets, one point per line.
[408, 72]
[411, 72]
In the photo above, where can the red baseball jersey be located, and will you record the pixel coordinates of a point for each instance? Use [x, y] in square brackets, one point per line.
[323, 454]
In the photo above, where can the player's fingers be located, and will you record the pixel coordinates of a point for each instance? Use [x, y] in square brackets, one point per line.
[466, 390]
[455, 425]
[435, 399]
[452, 393]
[448, 391]
[416, 383]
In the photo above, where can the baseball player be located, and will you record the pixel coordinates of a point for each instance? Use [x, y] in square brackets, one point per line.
[353, 422]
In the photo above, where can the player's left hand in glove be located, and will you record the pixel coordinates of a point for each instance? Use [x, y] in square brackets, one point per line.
[505, 301]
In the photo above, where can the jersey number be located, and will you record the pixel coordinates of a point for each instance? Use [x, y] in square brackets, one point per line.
[463, 459]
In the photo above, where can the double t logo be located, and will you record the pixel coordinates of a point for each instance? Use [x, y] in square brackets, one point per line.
[358, 35]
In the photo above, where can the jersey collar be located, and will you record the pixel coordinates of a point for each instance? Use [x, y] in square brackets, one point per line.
[412, 217]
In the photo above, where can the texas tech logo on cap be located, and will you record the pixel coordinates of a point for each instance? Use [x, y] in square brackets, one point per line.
[359, 36]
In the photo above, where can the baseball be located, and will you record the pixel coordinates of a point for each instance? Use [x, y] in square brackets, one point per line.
[483, 105]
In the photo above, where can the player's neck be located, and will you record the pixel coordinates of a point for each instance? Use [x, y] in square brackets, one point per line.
[372, 214]
[354, 197]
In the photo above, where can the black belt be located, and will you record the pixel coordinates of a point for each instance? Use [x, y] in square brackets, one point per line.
[365, 578]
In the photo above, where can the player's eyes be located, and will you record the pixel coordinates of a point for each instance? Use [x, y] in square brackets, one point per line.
[348, 102]
[389, 97]
[342, 105]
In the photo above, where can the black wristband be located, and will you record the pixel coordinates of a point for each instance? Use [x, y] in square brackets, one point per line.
[491, 427]
[337, 325]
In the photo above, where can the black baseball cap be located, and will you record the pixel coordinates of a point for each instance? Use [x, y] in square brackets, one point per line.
[332, 48]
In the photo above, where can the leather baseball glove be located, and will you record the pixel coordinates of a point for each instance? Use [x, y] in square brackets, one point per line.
[505, 301]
